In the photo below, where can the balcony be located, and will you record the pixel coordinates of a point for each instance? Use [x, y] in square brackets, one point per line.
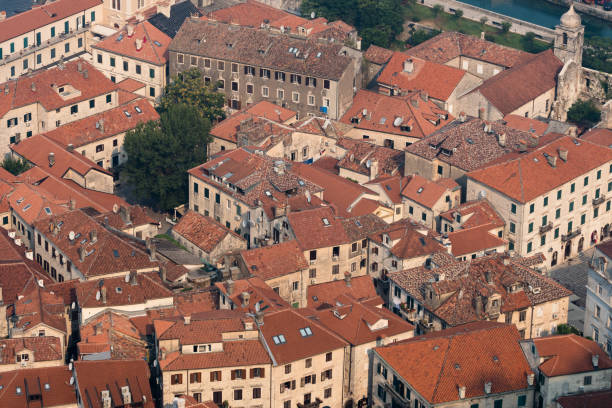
[570, 235]
[599, 200]
[410, 314]
[545, 228]
[313, 404]
[399, 399]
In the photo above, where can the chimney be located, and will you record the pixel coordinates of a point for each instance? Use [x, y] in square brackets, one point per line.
[130, 30]
[373, 169]
[124, 212]
[595, 360]
[138, 44]
[425, 96]
[70, 147]
[103, 294]
[152, 251]
[533, 140]
[245, 299]
[462, 392]
[33, 86]
[415, 102]
[2, 15]
[229, 285]
[93, 234]
[259, 318]
[552, 160]
[487, 387]
[51, 159]
[187, 319]
[478, 305]
[347, 279]
[101, 122]
[163, 273]
[133, 276]
[563, 154]
[85, 74]
[482, 35]
[81, 251]
[80, 66]
[530, 378]
[408, 65]
[522, 146]
[462, 117]
[501, 139]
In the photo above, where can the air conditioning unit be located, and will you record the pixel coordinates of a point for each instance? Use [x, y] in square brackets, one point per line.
[555, 316]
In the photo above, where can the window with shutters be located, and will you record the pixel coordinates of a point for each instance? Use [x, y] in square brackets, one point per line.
[257, 372]
[239, 374]
[195, 378]
[176, 379]
[215, 376]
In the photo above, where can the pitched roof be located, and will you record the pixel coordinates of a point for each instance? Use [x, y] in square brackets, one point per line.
[114, 334]
[438, 81]
[235, 353]
[417, 115]
[312, 231]
[530, 175]
[296, 346]
[514, 87]
[126, 217]
[36, 149]
[258, 292]
[600, 136]
[275, 260]
[495, 357]
[469, 146]
[94, 376]
[361, 154]
[178, 13]
[40, 306]
[409, 240]
[202, 231]
[105, 124]
[141, 288]
[476, 239]
[33, 203]
[40, 16]
[202, 327]
[154, 47]
[43, 86]
[449, 45]
[228, 128]
[377, 55]
[104, 253]
[261, 48]
[600, 399]
[569, 354]
[43, 348]
[474, 213]
[358, 289]
[426, 192]
[531, 125]
[59, 392]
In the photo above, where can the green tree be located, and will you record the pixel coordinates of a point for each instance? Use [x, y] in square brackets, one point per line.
[15, 166]
[567, 329]
[458, 13]
[419, 36]
[483, 20]
[584, 113]
[505, 26]
[161, 152]
[188, 87]
[437, 9]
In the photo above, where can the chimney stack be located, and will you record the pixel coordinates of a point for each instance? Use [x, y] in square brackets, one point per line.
[487, 387]
[482, 35]
[462, 117]
[488, 277]
[33, 86]
[163, 273]
[425, 96]
[81, 251]
[552, 160]
[501, 139]
[103, 294]
[130, 30]
[530, 378]
[70, 147]
[138, 44]
[462, 392]
[563, 154]
[245, 299]
[85, 74]
[347, 279]
[80, 66]
[259, 318]
[2, 15]
[229, 285]
[133, 276]
[408, 65]
[152, 251]
[187, 319]
[51, 159]
[93, 234]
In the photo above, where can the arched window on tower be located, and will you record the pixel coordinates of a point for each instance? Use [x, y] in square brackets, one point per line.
[564, 38]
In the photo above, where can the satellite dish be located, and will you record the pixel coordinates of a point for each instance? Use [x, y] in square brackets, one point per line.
[312, 15]
[73, 305]
[127, 277]
[71, 380]
[244, 223]
[70, 366]
[257, 307]
[71, 235]
[482, 194]
[369, 163]
[41, 283]
[98, 295]
[398, 121]
[364, 112]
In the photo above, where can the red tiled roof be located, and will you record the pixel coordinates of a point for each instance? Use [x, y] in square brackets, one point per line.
[93, 376]
[391, 185]
[569, 354]
[312, 232]
[530, 175]
[154, 49]
[439, 81]
[600, 399]
[450, 45]
[526, 124]
[474, 214]
[258, 291]
[275, 260]
[360, 153]
[44, 349]
[514, 87]
[425, 192]
[130, 85]
[37, 87]
[40, 306]
[202, 327]
[377, 55]
[33, 203]
[409, 240]
[5, 175]
[113, 333]
[235, 353]
[495, 357]
[421, 116]
[471, 240]
[202, 231]
[324, 295]
[130, 217]
[41, 16]
[59, 394]
[599, 136]
[106, 124]
[288, 323]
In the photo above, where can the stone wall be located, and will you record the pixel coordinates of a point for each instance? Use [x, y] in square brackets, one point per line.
[593, 84]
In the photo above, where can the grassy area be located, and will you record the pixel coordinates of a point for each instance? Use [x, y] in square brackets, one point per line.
[448, 22]
[170, 239]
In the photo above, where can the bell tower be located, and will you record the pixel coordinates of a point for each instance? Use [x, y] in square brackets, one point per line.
[569, 37]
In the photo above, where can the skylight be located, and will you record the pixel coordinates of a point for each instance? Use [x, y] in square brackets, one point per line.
[279, 339]
[137, 109]
[358, 223]
[383, 120]
[157, 43]
[306, 332]
[115, 253]
[27, 207]
[268, 193]
[20, 200]
[325, 222]
[120, 37]
[128, 114]
[420, 190]
[48, 210]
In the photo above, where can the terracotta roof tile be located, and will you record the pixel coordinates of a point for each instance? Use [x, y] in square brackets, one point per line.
[409, 240]
[126, 217]
[40, 306]
[60, 392]
[599, 136]
[438, 81]
[275, 260]
[496, 357]
[600, 399]
[569, 354]
[475, 239]
[154, 48]
[425, 192]
[312, 232]
[44, 349]
[258, 292]
[235, 353]
[113, 333]
[530, 175]
[130, 85]
[202, 231]
[360, 153]
[474, 214]
[324, 295]
[377, 55]
[526, 124]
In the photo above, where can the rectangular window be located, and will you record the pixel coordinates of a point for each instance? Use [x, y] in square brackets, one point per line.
[559, 195]
[512, 228]
[572, 187]
[598, 174]
[195, 378]
[544, 220]
[529, 247]
[109, 98]
[234, 67]
[584, 199]
[152, 92]
[513, 208]
[93, 16]
[125, 66]
[52, 32]
[530, 227]
[556, 233]
[326, 84]
[52, 53]
[582, 220]
[249, 89]
[74, 109]
[112, 61]
[221, 65]
[79, 42]
[531, 206]
[557, 213]
[571, 206]
[176, 379]
[256, 393]
[67, 47]
[545, 202]
[586, 181]
[543, 240]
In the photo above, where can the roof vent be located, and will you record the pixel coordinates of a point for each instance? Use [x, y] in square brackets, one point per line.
[563, 154]
[138, 44]
[408, 65]
[51, 158]
[487, 387]
[462, 392]
[552, 160]
[595, 360]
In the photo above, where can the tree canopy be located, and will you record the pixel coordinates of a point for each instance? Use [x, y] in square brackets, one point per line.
[15, 166]
[161, 152]
[377, 21]
[584, 113]
[188, 87]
